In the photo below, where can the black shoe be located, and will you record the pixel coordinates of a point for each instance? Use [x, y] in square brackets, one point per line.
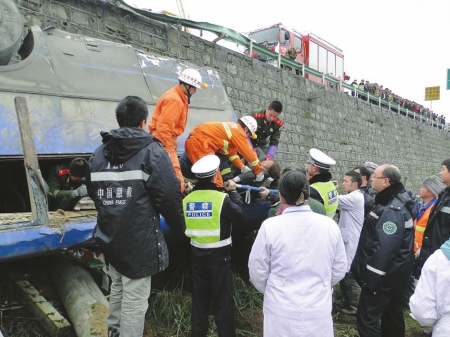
[113, 332]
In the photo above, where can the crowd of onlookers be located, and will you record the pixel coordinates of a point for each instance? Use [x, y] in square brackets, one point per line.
[418, 110]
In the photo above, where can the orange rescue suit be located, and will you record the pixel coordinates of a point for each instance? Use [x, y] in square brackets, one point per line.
[419, 228]
[225, 138]
[168, 122]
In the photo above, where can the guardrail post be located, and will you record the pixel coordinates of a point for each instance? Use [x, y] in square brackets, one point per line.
[250, 49]
[379, 101]
[279, 59]
[303, 70]
[323, 78]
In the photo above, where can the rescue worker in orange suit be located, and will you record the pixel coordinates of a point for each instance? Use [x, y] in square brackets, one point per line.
[171, 112]
[225, 140]
[268, 132]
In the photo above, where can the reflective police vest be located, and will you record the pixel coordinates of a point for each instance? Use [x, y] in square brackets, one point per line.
[329, 195]
[202, 214]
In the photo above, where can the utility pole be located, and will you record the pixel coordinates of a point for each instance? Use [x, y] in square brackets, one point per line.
[182, 13]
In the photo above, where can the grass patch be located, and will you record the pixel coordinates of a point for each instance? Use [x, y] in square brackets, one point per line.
[171, 310]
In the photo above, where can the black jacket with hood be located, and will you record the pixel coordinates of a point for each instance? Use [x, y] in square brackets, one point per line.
[384, 257]
[132, 182]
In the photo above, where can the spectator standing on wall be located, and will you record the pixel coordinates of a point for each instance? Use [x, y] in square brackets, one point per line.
[361, 88]
[170, 115]
[351, 218]
[355, 86]
[384, 257]
[132, 182]
[438, 225]
[268, 130]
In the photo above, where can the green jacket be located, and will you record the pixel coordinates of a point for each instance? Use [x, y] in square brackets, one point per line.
[316, 207]
[267, 133]
[60, 184]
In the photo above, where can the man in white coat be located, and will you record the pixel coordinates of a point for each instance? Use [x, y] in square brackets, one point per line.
[351, 210]
[430, 303]
[295, 260]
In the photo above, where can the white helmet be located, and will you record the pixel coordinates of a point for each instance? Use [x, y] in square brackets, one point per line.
[192, 77]
[250, 123]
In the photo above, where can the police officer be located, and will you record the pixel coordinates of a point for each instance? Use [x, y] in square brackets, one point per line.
[268, 132]
[209, 213]
[66, 184]
[384, 258]
[322, 189]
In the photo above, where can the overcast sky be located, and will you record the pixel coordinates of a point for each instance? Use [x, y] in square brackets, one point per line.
[403, 45]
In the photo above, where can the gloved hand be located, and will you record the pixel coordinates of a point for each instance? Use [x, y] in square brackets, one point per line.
[259, 177]
[187, 188]
[245, 169]
[417, 254]
[79, 192]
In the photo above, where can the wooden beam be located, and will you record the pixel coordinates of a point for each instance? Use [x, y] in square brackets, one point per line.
[55, 324]
[36, 184]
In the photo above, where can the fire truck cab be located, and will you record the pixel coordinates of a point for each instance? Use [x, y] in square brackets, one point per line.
[312, 51]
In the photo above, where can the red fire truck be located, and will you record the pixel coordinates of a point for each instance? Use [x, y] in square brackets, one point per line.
[312, 51]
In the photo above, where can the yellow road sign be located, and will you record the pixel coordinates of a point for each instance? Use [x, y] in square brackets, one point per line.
[432, 93]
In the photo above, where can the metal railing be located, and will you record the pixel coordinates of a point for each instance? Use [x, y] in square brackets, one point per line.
[245, 41]
[302, 70]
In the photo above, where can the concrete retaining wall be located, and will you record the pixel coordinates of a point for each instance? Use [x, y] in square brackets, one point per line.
[349, 130]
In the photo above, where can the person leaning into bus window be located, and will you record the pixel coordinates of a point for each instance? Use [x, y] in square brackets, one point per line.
[66, 184]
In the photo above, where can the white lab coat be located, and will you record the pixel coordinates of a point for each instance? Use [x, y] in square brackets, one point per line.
[430, 303]
[295, 260]
[351, 219]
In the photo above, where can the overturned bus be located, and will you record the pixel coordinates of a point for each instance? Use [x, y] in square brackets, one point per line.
[71, 85]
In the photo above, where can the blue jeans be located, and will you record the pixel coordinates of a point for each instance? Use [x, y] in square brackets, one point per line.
[128, 303]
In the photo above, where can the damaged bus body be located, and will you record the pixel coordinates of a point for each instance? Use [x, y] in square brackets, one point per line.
[71, 85]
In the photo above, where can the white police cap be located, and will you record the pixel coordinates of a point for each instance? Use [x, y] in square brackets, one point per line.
[320, 159]
[206, 166]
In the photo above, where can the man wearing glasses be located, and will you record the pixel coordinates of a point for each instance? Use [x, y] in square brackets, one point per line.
[384, 258]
